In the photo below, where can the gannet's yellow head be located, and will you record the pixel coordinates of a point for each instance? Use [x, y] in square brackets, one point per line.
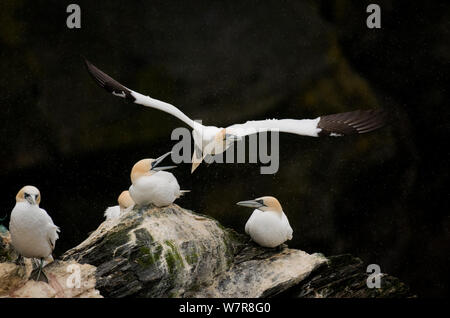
[266, 203]
[147, 167]
[125, 200]
[29, 194]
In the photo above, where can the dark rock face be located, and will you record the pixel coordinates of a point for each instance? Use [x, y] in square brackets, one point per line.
[344, 276]
[172, 252]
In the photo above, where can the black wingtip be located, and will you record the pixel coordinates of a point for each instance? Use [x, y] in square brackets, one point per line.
[107, 82]
[354, 122]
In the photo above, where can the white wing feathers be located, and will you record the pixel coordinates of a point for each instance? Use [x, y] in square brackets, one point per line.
[165, 107]
[305, 127]
[117, 89]
[348, 123]
[341, 124]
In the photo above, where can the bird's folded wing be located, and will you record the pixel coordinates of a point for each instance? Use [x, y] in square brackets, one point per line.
[354, 122]
[52, 229]
[117, 89]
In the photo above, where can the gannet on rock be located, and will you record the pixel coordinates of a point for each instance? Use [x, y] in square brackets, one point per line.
[268, 225]
[33, 233]
[151, 184]
[126, 203]
[210, 140]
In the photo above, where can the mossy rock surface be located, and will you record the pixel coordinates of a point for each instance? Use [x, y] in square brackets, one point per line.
[173, 252]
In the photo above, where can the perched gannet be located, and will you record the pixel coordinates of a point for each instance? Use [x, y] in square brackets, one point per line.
[125, 203]
[214, 140]
[33, 233]
[150, 184]
[268, 225]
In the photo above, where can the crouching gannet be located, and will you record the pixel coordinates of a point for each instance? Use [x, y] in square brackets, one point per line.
[125, 203]
[268, 225]
[210, 140]
[151, 184]
[33, 233]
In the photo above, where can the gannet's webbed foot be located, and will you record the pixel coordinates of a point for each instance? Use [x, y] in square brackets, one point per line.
[20, 261]
[38, 274]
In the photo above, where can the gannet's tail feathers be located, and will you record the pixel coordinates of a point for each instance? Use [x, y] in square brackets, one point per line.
[108, 83]
[117, 89]
[354, 122]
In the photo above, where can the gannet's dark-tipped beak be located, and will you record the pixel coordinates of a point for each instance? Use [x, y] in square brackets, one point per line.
[251, 203]
[158, 161]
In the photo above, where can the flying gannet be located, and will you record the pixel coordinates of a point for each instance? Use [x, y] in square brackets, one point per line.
[210, 140]
[33, 233]
[151, 184]
[268, 225]
[126, 203]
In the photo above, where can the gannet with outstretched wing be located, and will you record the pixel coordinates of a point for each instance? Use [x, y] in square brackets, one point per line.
[214, 140]
[33, 233]
[268, 225]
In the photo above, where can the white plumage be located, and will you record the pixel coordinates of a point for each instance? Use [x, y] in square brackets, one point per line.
[112, 212]
[269, 228]
[33, 233]
[151, 184]
[160, 188]
[126, 203]
[214, 140]
[268, 225]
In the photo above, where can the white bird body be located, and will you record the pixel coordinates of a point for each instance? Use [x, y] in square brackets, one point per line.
[160, 188]
[268, 229]
[33, 233]
[205, 137]
[126, 203]
[112, 212]
[268, 225]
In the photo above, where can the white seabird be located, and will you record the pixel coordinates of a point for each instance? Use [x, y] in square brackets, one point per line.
[268, 225]
[126, 203]
[210, 140]
[150, 184]
[33, 233]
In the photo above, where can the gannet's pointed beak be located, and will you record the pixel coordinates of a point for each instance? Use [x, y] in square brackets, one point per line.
[197, 158]
[31, 199]
[195, 165]
[163, 168]
[158, 161]
[251, 203]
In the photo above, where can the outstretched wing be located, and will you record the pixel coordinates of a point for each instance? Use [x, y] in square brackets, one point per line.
[117, 89]
[354, 122]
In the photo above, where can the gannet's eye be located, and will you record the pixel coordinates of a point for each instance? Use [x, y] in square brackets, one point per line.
[26, 195]
[261, 202]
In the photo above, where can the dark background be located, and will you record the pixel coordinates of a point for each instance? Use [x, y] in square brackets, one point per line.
[382, 196]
